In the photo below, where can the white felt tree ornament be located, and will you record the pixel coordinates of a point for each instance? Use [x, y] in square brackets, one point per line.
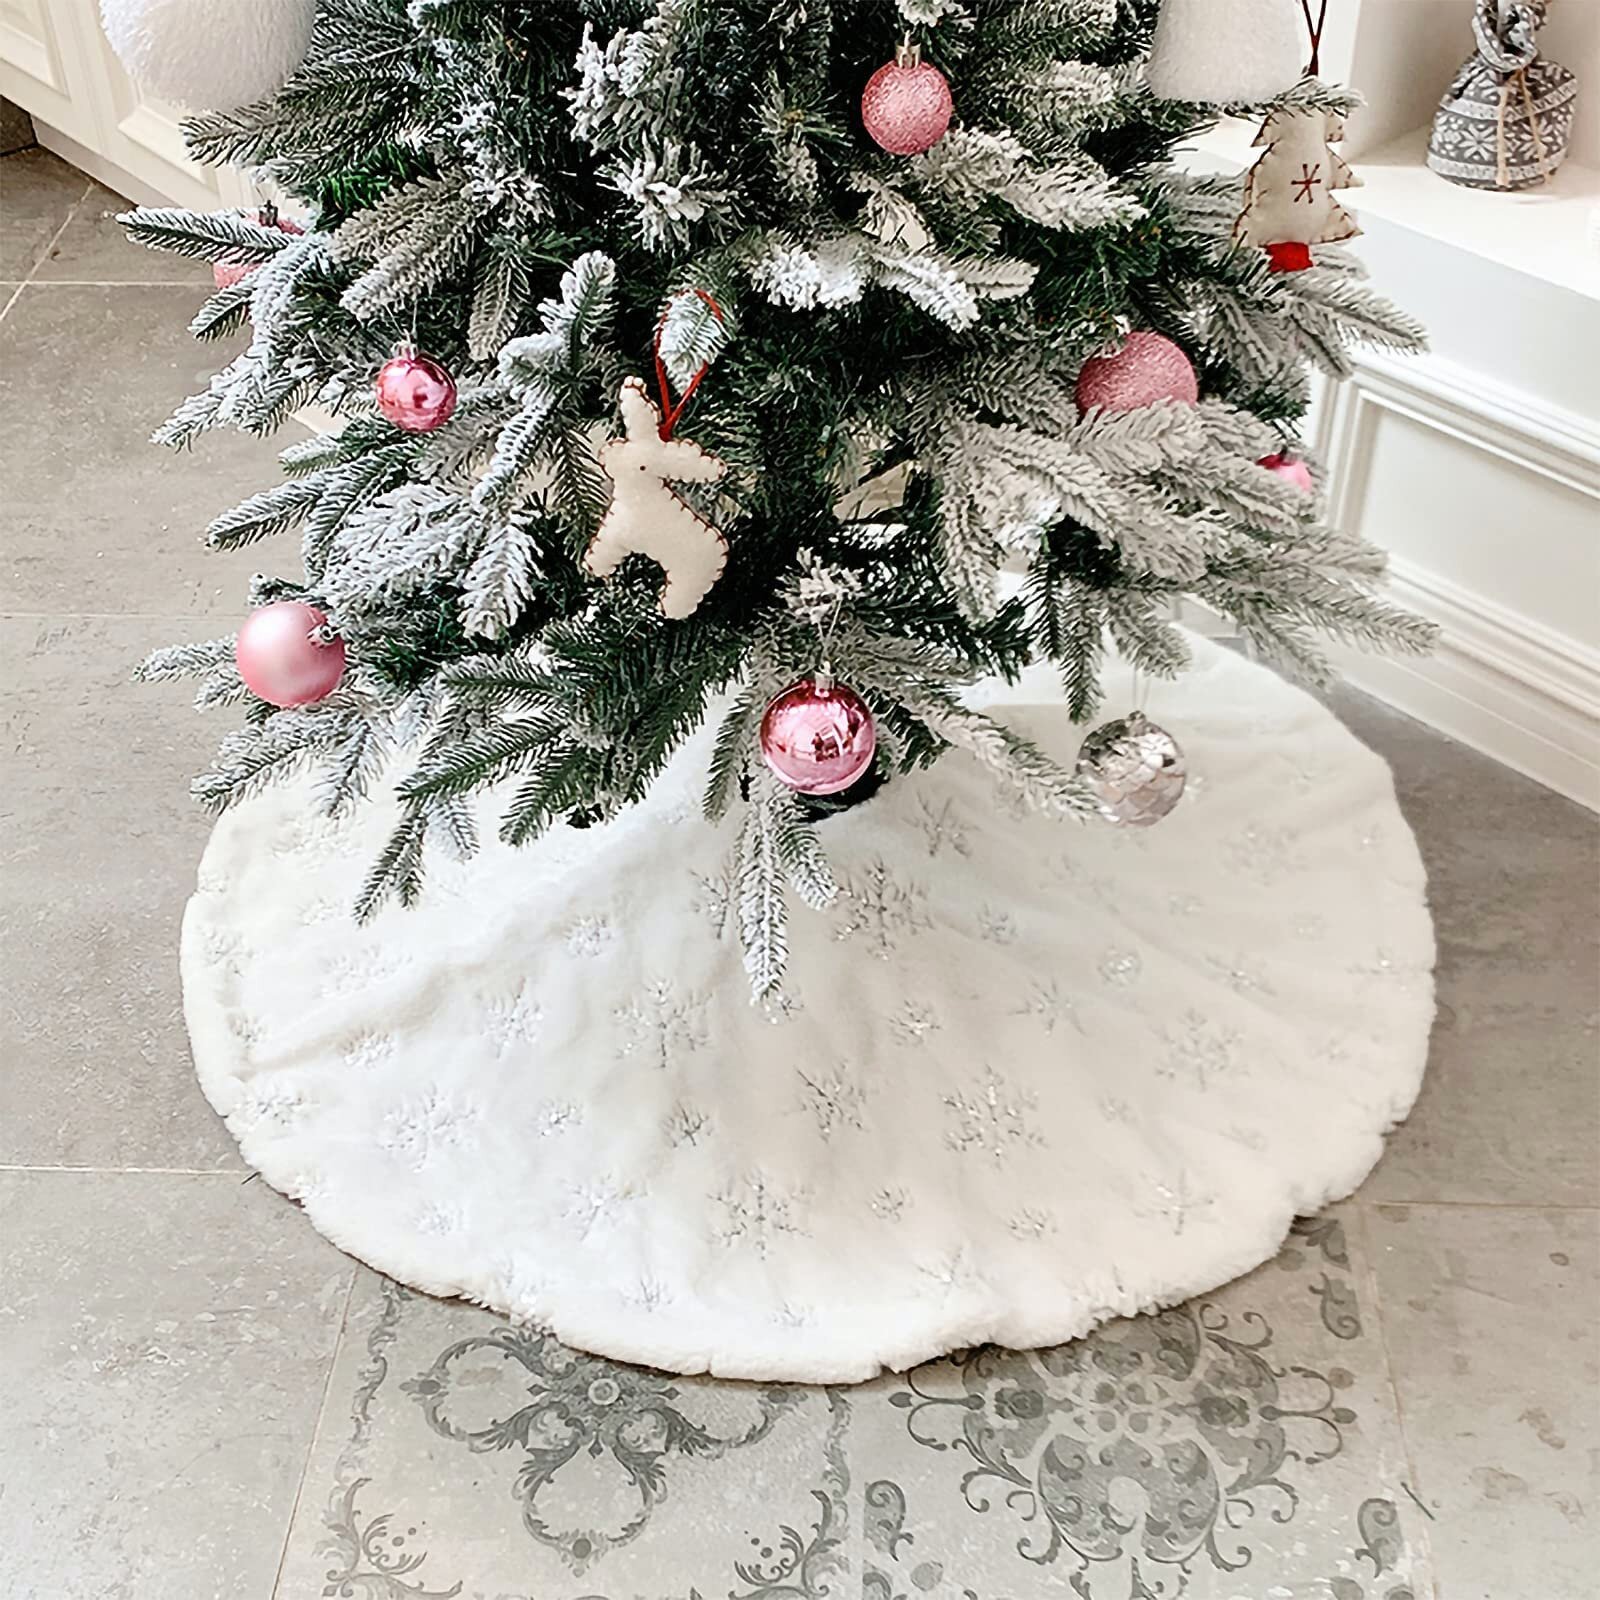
[209, 54]
[1288, 194]
[1218, 52]
[647, 518]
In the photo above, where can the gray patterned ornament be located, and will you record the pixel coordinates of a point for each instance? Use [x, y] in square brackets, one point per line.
[1136, 770]
[1506, 120]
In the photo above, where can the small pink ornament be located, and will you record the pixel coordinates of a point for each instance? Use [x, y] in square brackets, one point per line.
[281, 659]
[1290, 470]
[818, 736]
[1149, 367]
[906, 104]
[227, 273]
[415, 392]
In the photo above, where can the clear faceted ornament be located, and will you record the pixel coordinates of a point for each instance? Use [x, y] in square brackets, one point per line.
[1136, 770]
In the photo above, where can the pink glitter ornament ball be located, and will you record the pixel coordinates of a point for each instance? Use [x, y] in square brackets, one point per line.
[1290, 470]
[280, 658]
[818, 736]
[906, 104]
[1148, 367]
[227, 273]
[415, 392]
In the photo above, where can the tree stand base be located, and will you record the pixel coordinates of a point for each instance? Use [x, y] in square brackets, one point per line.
[1030, 1075]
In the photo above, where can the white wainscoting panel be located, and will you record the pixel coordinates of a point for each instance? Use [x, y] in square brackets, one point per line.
[1489, 500]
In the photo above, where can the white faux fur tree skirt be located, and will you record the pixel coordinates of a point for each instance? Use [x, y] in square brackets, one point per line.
[1035, 1073]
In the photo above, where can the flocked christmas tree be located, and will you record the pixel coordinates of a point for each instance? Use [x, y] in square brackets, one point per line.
[850, 286]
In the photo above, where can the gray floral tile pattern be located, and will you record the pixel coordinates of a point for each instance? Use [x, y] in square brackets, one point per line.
[1235, 1448]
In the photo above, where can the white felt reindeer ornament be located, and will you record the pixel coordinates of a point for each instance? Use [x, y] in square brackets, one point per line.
[646, 517]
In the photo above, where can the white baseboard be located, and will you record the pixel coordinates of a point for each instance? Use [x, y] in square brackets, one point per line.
[1503, 681]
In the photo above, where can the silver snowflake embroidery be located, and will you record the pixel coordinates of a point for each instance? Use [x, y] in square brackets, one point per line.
[790, 1315]
[880, 910]
[1265, 854]
[248, 1030]
[650, 1293]
[1046, 1002]
[323, 909]
[359, 971]
[1311, 926]
[513, 1021]
[1121, 967]
[757, 1212]
[1031, 1223]
[1115, 1109]
[662, 1024]
[590, 936]
[1247, 1138]
[941, 827]
[555, 1117]
[950, 1272]
[1200, 1049]
[889, 1205]
[419, 1129]
[1240, 974]
[998, 927]
[596, 1202]
[779, 1006]
[277, 1105]
[914, 1022]
[686, 1124]
[835, 1101]
[993, 1120]
[1179, 1201]
[516, 1287]
[715, 898]
[1185, 905]
[223, 947]
[440, 1218]
[368, 1051]
[211, 880]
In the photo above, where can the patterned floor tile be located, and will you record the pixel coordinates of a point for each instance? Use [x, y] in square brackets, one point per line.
[1240, 1447]
[462, 1457]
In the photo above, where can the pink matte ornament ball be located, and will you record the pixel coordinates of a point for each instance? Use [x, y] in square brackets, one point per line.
[906, 105]
[1149, 367]
[281, 659]
[818, 736]
[1290, 470]
[415, 392]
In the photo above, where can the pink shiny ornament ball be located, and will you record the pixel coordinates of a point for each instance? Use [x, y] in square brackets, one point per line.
[1290, 470]
[281, 659]
[227, 273]
[1149, 367]
[906, 106]
[415, 392]
[818, 736]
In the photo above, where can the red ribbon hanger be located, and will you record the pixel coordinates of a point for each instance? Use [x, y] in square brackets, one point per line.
[670, 412]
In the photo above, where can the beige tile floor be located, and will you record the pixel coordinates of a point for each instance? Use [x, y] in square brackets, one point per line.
[204, 1401]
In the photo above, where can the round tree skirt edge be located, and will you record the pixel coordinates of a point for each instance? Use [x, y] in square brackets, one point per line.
[1027, 1074]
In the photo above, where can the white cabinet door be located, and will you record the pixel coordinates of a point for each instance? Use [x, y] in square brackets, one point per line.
[42, 67]
[55, 63]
